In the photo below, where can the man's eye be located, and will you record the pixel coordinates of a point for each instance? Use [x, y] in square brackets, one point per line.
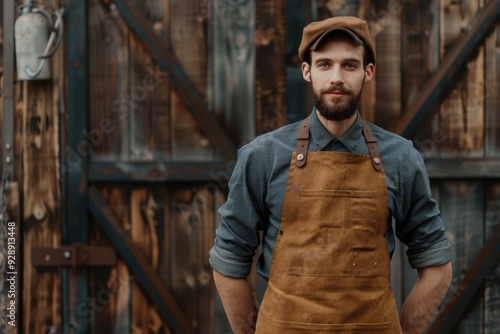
[323, 65]
[350, 66]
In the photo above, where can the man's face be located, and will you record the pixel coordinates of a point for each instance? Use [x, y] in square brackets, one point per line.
[337, 76]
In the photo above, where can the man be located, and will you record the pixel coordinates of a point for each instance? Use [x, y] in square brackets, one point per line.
[324, 192]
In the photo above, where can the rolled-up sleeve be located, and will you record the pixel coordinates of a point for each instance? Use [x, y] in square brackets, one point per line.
[419, 225]
[237, 237]
[436, 254]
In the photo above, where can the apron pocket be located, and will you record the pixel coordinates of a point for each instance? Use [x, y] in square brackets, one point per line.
[338, 234]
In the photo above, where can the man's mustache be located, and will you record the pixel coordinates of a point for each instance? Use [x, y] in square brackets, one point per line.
[336, 88]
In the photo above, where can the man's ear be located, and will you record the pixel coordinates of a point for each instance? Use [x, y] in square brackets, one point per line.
[306, 71]
[369, 71]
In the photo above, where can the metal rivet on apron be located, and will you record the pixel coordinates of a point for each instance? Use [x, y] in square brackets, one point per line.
[376, 160]
[300, 157]
[354, 264]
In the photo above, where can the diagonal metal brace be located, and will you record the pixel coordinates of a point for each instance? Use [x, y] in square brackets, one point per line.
[178, 79]
[449, 70]
[149, 280]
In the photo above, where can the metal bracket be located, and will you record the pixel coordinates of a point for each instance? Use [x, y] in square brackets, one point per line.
[76, 256]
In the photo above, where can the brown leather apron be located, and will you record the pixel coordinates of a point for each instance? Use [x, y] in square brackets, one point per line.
[330, 270]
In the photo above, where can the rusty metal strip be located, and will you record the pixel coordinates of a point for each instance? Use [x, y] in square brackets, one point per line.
[474, 277]
[8, 89]
[149, 172]
[76, 256]
[449, 70]
[147, 277]
[194, 102]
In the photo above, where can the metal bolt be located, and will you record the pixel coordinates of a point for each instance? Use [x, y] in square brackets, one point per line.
[8, 146]
[67, 255]
[8, 160]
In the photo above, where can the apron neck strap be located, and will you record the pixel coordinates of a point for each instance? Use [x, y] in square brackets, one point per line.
[372, 147]
[303, 145]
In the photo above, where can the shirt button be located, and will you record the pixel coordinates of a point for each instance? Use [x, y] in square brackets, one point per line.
[300, 157]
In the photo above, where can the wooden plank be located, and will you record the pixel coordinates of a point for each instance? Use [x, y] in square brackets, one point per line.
[298, 100]
[150, 115]
[462, 112]
[109, 79]
[491, 285]
[270, 76]
[386, 27]
[158, 12]
[188, 42]
[233, 61]
[141, 113]
[194, 218]
[492, 94]
[462, 210]
[188, 142]
[41, 204]
[110, 288]
[420, 43]
[144, 234]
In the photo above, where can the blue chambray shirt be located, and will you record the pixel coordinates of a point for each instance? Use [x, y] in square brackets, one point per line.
[257, 190]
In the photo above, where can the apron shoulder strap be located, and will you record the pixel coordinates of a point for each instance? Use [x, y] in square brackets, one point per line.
[302, 143]
[372, 147]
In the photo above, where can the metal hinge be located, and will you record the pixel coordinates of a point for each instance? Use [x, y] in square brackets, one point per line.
[75, 256]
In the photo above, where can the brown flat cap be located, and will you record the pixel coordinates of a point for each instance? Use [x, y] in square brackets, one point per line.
[315, 32]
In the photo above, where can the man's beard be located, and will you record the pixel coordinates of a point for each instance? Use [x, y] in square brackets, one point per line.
[337, 111]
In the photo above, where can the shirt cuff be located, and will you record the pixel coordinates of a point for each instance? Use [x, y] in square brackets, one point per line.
[229, 264]
[437, 254]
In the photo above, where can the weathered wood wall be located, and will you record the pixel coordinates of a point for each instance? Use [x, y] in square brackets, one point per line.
[241, 58]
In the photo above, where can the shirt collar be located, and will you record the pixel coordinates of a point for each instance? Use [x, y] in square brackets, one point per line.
[320, 138]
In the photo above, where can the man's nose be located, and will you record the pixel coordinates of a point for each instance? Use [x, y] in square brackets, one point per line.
[336, 76]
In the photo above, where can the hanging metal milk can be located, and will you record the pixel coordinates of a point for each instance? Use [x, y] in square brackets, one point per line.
[36, 39]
